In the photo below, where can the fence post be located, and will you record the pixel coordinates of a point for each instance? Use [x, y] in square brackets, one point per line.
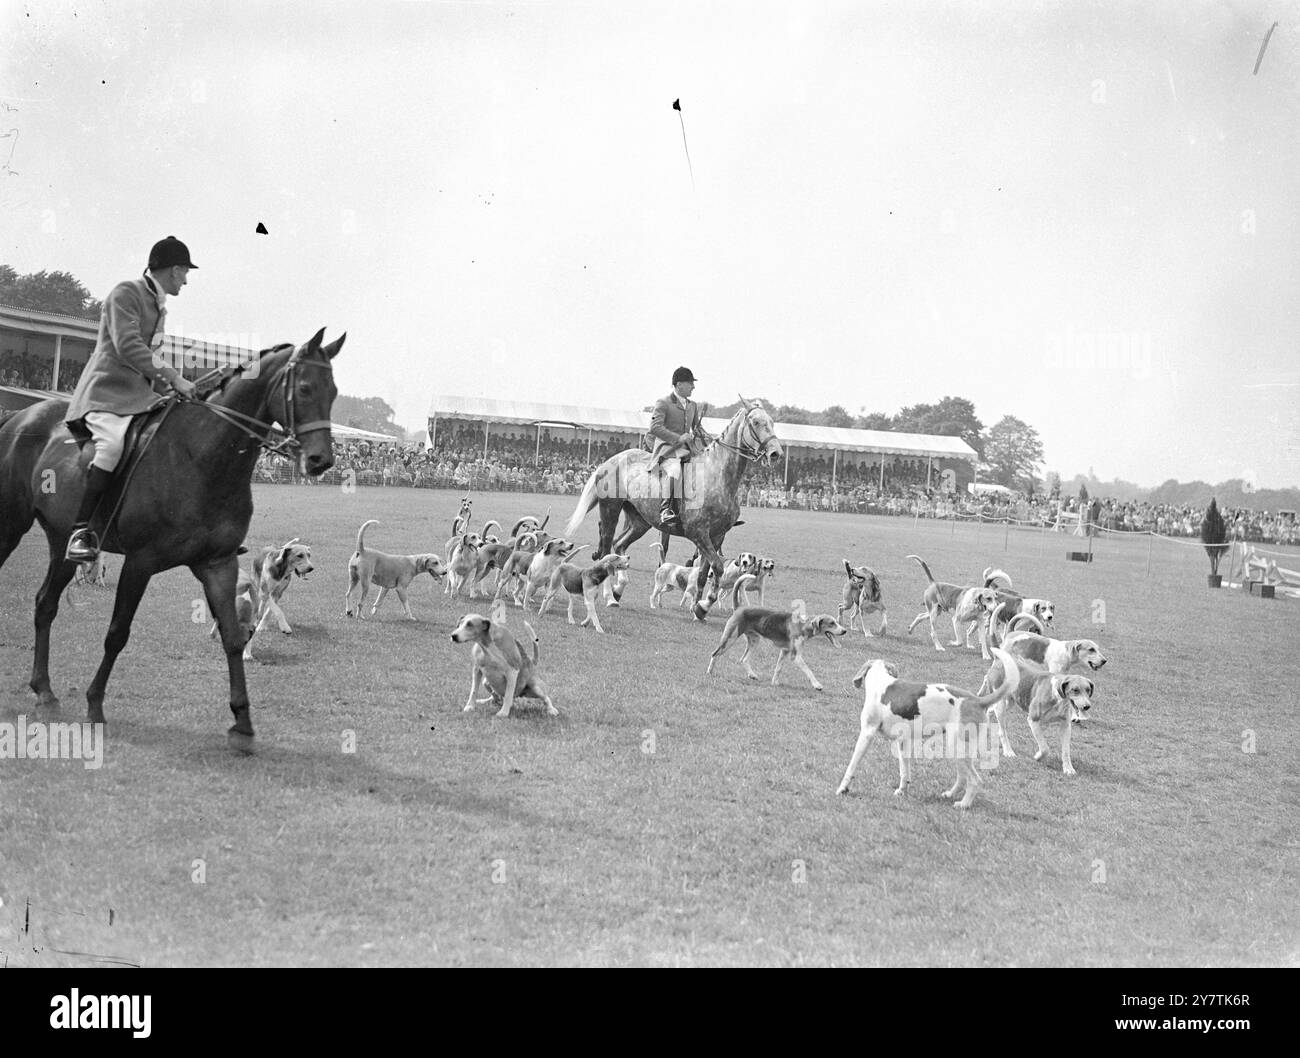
[1151, 541]
[1006, 536]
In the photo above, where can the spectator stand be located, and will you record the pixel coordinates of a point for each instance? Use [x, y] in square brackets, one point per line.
[511, 422]
[922, 460]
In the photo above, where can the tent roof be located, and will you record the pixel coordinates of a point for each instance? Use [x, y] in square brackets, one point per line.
[351, 433]
[797, 435]
[790, 434]
[522, 411]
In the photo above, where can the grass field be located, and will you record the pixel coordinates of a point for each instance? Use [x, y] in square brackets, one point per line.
[665, 817]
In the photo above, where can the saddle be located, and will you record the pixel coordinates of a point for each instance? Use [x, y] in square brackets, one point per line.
[139, 434]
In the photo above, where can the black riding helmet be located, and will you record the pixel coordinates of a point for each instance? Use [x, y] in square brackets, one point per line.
[168, 252]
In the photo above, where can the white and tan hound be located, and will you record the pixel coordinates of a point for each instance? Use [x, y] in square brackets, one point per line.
[786, 630]
[861, 596]
[387, 572]
[1046, 697]
[970, 607]
[906, 711]
[499, 663]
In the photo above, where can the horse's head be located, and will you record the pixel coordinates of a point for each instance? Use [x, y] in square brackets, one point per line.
[301, 399]
[757, 433]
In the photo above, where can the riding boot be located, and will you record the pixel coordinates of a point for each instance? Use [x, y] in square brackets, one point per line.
[668, 512]
[83, 544]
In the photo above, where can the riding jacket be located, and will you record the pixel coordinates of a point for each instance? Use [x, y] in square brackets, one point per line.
[121, 374]
[673, 417]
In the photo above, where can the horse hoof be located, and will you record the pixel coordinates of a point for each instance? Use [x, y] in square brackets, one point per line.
[240, 742]
[47, 700]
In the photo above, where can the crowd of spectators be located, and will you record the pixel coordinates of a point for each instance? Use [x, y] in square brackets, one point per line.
[25, 371]
[515, 463]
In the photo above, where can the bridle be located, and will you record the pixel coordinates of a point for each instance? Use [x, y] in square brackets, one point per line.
[261, 431]
[755, 448]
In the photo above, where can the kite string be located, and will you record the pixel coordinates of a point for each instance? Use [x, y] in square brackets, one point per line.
[688, 149]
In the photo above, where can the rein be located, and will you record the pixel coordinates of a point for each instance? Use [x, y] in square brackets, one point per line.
[260, 430]
[753, 451]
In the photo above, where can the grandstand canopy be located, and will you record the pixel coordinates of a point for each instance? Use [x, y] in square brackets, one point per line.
[522, 411]
[351, 433]
[792, 435]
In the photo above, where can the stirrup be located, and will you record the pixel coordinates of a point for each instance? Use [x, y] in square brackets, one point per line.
[83, 546]
[667, 516]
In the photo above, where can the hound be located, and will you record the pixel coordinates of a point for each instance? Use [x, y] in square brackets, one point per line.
[1056, 655]
[500, 664]
[614, 587]
[787, 631]
[93, 573]
[388, 572]
[463, 561]
[907, 710]
[862, 596]
[460, 523]
[544, 564]
[245, 612]
[766, 567]
[669, 575]
[516, 566]
[1012, 604]
[584, 582]
[1046, 697]
[969, 606]
[273, 571]
[745, 562]
[492, 555]
[497, 554]
[257, 596]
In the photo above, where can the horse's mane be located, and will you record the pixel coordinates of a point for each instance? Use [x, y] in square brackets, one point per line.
[237, 372]
[740, 413]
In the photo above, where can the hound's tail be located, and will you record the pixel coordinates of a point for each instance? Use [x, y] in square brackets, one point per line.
[743, 583]
[1010, 680]
[923, 566]
[1025, 622]
[585, 502]
[996, 578]
[535, 641]
[361, 534]
[490, 522]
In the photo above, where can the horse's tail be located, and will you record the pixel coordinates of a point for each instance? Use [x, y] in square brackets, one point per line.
[361, 534]
[585, 502]
[923, 566]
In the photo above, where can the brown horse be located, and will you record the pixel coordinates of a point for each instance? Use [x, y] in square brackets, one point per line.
[625, 484]
[186, 500]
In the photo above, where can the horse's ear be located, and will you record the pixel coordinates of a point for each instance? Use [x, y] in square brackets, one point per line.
[332, 350]
[314, 344]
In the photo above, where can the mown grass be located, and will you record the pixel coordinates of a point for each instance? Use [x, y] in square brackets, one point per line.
[451, 838]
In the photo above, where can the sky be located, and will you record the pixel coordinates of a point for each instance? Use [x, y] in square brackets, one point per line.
[1083, 214]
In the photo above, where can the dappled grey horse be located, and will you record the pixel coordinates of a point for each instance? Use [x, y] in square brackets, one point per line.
[625, 484]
